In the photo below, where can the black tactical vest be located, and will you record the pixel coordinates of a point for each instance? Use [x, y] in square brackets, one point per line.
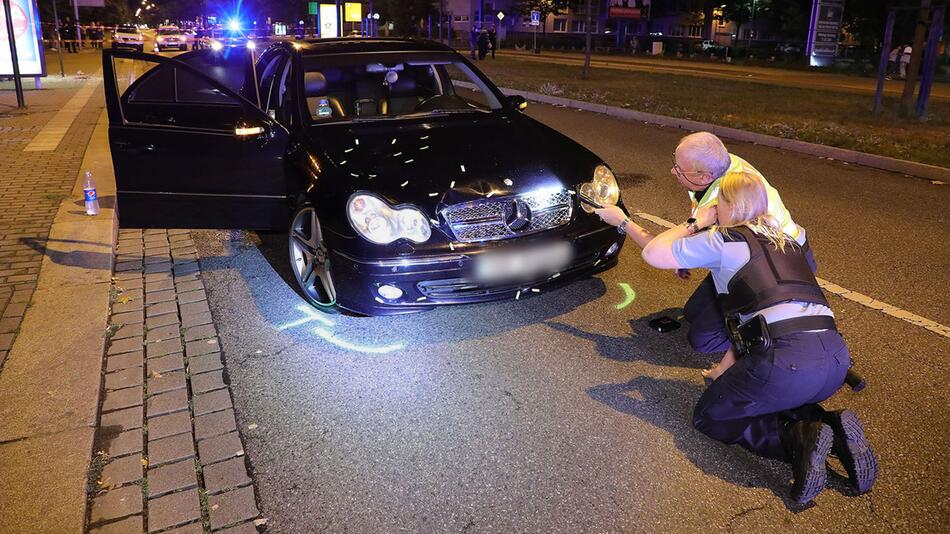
[770, 277]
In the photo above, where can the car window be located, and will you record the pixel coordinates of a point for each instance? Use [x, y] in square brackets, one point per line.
[463, 87]
[194, 89]
[385, 86]
[267, 72]
[156, 84]
[169, 31]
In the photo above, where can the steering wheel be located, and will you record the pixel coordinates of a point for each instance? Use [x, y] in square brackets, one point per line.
[441, 102]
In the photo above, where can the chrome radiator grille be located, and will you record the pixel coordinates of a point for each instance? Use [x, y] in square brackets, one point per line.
[510, 216]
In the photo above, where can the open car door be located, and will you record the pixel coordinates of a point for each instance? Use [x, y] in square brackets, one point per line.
[188, 151]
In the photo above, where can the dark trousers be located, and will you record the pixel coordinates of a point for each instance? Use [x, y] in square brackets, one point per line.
[752, 401]
[707, 326]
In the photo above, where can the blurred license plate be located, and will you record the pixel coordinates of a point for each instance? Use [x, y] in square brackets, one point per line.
[522, 264]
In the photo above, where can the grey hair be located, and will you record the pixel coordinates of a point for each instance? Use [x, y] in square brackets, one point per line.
[706, 151]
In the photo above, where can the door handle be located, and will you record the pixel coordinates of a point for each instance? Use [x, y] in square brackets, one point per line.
[149, 148]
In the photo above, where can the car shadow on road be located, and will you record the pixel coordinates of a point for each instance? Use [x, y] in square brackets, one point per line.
[644, 344]
[668, 404]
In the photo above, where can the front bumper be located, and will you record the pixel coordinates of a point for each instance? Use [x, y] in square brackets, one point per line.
[134, 45]
[443, 279]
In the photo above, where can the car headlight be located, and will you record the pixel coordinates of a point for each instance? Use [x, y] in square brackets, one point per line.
[602, 189]
[380, 223]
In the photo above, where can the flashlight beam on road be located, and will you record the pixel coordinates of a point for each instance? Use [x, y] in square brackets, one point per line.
[629, 295]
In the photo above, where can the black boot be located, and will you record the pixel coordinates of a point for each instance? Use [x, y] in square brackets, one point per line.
[808, 444]
[853, 448]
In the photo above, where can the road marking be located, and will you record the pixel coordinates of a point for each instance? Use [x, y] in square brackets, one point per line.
[54, 131]
[853, 296]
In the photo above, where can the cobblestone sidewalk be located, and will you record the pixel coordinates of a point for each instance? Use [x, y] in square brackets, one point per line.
[166, 397]
[32, 186]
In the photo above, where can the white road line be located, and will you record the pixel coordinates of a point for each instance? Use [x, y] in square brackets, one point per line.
[49, 137]
[853, 296]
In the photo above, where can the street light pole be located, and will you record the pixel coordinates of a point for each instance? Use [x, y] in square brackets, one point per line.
[59, 41]
[17, 82]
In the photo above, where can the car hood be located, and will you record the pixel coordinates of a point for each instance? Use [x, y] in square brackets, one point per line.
[430, 163]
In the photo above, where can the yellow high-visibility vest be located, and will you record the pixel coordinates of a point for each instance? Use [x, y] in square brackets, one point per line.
[776, 206]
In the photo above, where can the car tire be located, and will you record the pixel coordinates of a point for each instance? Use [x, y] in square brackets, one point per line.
[183, 48]
[310, 259]
[141, 49]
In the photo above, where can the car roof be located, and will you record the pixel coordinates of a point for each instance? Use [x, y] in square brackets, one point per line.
[356, 45]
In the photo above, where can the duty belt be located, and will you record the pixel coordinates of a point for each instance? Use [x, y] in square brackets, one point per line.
[757, 333]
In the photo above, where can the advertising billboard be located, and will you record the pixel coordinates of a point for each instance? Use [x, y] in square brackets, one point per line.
[628, 9]
[328, 25]
[353, 12]
[826, 18]
[29, 46]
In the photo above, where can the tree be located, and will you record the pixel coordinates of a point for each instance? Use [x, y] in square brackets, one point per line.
[406, 15]
[545, 7]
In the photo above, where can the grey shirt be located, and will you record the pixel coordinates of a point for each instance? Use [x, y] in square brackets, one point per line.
[708, 250]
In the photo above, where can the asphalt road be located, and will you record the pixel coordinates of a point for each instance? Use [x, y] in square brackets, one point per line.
[560, 412]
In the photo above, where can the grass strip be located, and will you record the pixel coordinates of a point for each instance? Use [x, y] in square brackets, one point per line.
[816, 116]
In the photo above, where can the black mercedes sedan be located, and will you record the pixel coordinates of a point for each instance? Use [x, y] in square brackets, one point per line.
[404, 177]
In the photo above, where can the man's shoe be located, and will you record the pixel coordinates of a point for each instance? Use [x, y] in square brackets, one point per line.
[852, 447]
[808, 443]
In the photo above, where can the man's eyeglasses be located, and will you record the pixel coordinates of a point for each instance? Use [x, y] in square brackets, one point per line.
[684, 174]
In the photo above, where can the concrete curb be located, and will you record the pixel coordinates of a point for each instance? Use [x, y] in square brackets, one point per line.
[50, 386]
[921, 170]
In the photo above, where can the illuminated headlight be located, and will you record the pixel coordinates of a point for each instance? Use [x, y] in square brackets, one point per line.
[216, 45]
[602, 189]
[380, 223]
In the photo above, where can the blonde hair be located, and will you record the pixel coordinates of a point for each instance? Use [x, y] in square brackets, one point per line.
[749, 199]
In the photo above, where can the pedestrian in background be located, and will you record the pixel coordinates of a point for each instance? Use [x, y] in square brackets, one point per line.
[905, 60]
[492, 41]
[483, 44]
[473, 41]
[892, 61]
[67, 31]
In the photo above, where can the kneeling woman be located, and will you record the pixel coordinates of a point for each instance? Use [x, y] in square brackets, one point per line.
[767, 401]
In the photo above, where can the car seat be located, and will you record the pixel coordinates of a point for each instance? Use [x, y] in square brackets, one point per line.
[404, 96]
[320, 102]
[370, 97]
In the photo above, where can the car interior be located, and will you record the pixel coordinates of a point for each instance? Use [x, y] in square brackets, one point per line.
[370, 90]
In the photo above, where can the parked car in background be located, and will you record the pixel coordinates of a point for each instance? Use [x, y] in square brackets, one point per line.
[711, 46]
[128, 36]
[170, 37]
[789, 48]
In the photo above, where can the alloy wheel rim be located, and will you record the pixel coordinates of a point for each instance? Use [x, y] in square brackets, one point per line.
[309, 258]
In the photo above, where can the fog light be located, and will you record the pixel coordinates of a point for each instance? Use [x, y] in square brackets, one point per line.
[612, 250]
[389, 292]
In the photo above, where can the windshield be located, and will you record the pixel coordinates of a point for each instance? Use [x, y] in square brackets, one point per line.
[169, 31]
[127, 29]
[370, 87]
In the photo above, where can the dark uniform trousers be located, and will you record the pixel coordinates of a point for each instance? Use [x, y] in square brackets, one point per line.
[707, 326]
[752, 401]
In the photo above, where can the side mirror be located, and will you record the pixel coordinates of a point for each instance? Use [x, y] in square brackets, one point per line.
[519, 102]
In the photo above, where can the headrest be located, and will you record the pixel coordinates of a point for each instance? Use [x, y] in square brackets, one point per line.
[315, 83]
[404, 86]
